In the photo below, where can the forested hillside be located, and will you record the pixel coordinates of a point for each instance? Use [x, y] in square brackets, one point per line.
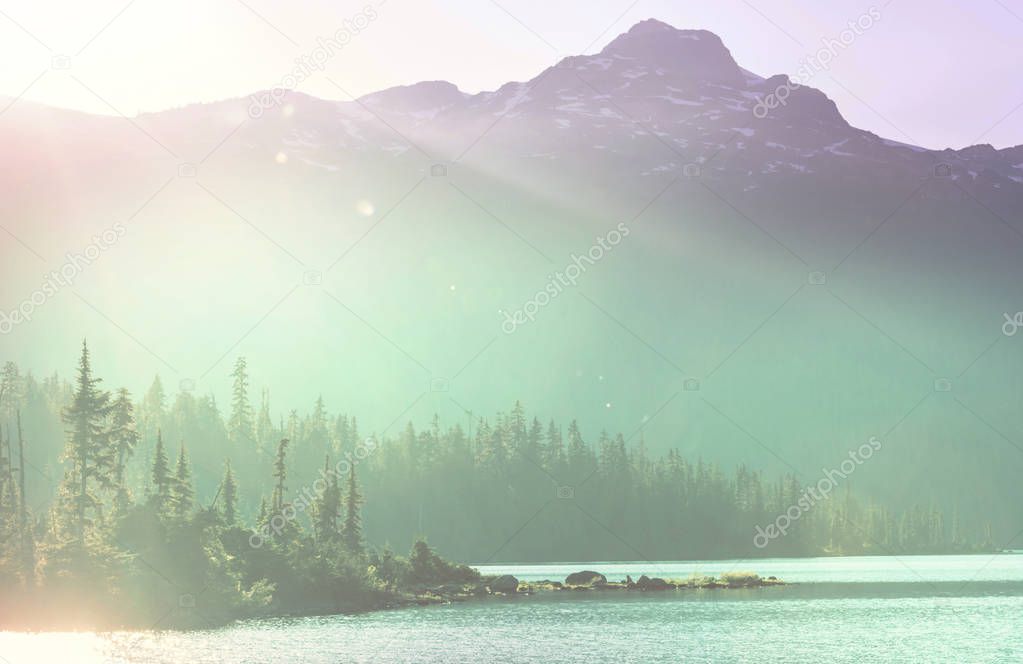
[96, 482]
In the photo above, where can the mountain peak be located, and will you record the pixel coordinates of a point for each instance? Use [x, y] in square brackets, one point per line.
[652, 25]
[700, 52]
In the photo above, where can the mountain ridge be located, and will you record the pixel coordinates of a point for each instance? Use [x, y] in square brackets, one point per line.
[672, 46]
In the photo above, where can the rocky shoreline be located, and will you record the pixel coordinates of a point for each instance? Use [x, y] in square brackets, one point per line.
[419, 595]
[586, 580]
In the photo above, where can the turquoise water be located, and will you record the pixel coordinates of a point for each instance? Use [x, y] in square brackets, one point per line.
[862, 569]
[910, 609]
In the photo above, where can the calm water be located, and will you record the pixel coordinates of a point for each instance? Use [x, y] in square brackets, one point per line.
[911, 609]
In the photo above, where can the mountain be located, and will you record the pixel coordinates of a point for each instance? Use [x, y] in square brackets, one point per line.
[790, 285]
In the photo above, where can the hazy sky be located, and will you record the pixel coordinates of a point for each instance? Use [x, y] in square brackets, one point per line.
[934, 72]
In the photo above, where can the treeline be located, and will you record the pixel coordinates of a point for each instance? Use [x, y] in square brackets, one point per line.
[107, 553]
[110, 483]
[518, 490]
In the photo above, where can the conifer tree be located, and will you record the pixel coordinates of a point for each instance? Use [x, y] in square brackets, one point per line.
[264, 512]
[316, 435]
[24, 532]
[353, 432]
[264, 425]
[153, 410]
[161, 476]
[87, 447]
[239, 427]
[328, 506]
[284, 526]
[182, 493]
[421, 560]
[351, 531]
[8, 510]
[554, 452]
[11, 389]
[280, 475]
[533, 442]
[229, 490]
[124, 437]
[578, 455]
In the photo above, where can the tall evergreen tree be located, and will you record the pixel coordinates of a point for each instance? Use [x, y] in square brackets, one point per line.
[153, 410]
[8, 513]
[280, 475]
[351, 531]
[87, 446]
[316, 434]
[161, 476]
[239, 427]
[328, 506]
[554, 451]
[534, 437]
[12, 388]
[229, 491]
[24, 532]
[578, 455]
[182, 493]
[264, 512]
[124, 437]
[264, 425]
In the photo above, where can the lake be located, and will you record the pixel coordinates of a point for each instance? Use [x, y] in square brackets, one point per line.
[866, 609]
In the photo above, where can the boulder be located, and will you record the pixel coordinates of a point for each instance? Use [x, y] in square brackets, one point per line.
[585, 578]
[506, 583]
[646, 583]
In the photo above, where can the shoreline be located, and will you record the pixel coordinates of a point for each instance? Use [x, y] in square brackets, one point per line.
[588, 580]
[487, 586]
[426, 595]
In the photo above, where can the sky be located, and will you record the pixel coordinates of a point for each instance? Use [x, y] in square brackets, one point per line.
[937, 73]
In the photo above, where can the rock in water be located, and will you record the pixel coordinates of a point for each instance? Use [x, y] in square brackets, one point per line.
[505, 583]
[646, 583]
[585, 578]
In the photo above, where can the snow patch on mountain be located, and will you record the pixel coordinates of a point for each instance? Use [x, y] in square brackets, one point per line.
[833, 149]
